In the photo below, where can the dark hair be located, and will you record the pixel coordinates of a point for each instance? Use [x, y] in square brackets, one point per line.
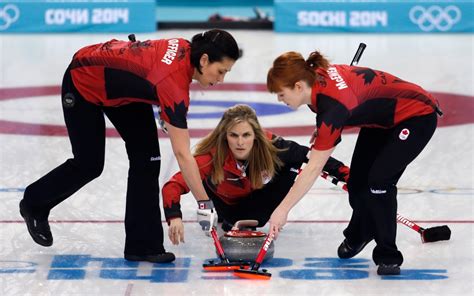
[217, 44]
[291, 67]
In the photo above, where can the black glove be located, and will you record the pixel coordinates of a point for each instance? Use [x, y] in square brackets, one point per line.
[337, 169]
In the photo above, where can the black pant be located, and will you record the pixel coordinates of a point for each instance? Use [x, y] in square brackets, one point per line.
[261, 203]
[380, 158]
[85, 123]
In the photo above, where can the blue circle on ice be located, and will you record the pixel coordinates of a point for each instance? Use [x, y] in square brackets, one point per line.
[218, 108]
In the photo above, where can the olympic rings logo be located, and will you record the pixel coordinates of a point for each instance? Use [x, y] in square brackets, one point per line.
[8, 15]
[435, 17]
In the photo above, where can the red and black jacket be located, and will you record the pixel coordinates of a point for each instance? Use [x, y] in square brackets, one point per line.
[118, 72]
[236, 185]
[349, 96]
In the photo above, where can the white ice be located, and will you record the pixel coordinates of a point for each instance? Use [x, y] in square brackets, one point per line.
[437, 189]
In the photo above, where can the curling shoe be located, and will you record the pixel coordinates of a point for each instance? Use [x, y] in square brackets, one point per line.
[388, 269]
[165, 257]
[346, 251]
[38, 229]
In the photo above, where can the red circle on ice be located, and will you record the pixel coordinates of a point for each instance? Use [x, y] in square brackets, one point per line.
[457, 110]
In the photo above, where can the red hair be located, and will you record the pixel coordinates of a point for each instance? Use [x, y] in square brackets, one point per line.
[291, 67]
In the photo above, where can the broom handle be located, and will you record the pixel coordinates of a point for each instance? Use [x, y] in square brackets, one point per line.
[263, 251]
[400, 218]
[217, 243]
[358, 54]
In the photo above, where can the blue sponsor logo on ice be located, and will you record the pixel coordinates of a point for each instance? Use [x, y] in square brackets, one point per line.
[77, 267]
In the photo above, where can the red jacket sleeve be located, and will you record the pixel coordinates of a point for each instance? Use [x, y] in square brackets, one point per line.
[176, 186]
[173, 93]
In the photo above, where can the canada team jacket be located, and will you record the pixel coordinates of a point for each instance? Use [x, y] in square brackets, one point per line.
[120, 72]
[349, 96]
[235, 186]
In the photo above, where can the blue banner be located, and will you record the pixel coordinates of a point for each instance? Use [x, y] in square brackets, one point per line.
[43, 16]
[400, 16]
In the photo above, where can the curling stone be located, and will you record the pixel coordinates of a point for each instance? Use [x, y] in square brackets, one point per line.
[242, 243]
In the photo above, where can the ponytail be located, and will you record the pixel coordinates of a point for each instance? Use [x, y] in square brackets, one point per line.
[317, 60]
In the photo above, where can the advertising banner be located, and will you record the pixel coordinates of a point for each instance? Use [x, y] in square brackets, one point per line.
[402, 16]
[43, 16]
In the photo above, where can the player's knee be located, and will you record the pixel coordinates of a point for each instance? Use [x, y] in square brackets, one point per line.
[147, 166]
[90, 169]
[379, 188]
[379, 182]
[93, 171]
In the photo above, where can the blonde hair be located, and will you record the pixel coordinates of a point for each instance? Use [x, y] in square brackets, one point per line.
[263, 157]
[291, 67]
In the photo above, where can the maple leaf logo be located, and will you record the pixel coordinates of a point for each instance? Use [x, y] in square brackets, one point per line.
[330, 135]
[398, 80]
[181, 53]
[367, 74]
[176, 114]
[331, 112]
[330, 120]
